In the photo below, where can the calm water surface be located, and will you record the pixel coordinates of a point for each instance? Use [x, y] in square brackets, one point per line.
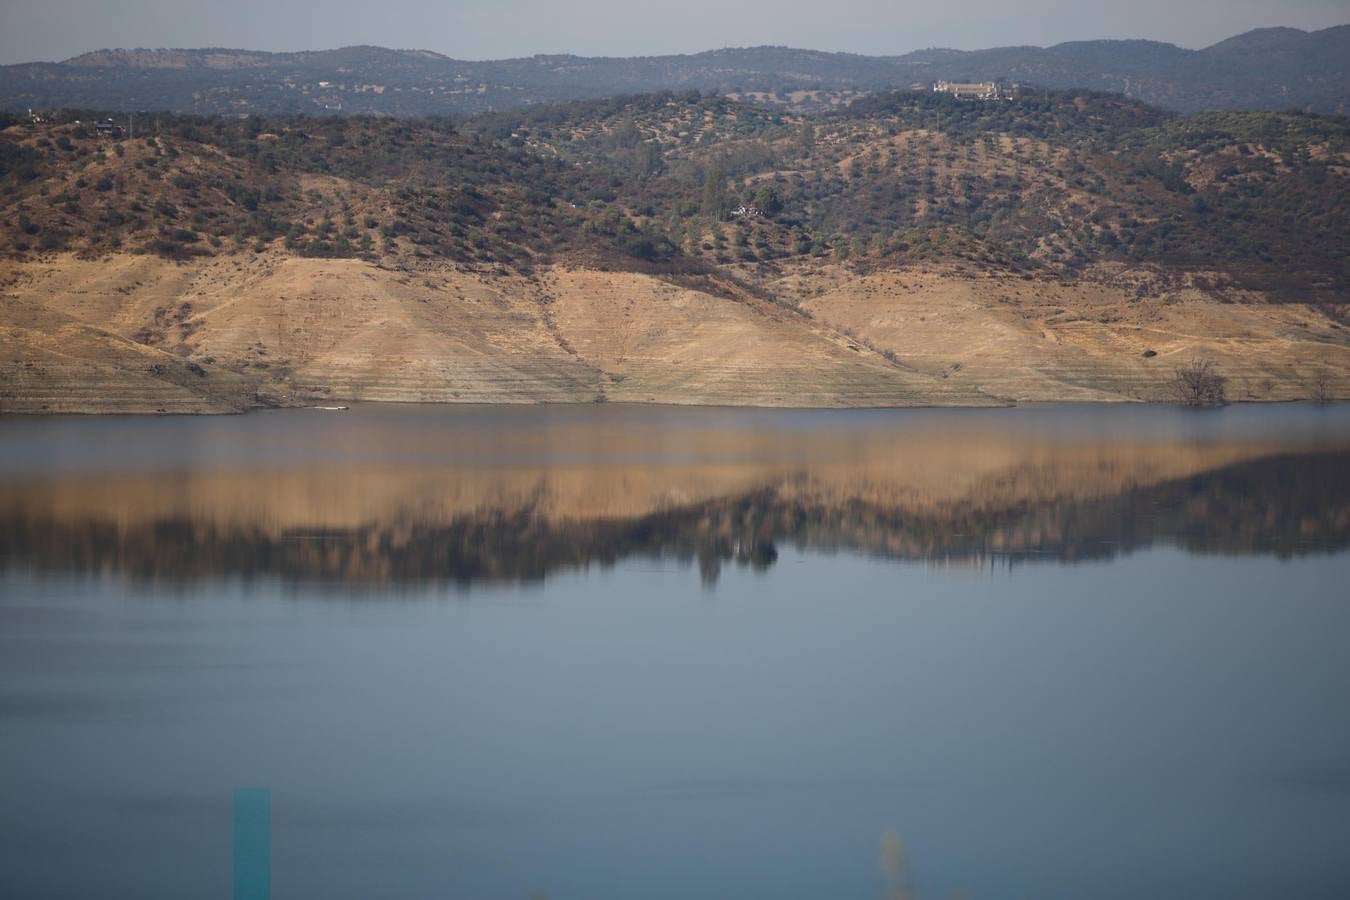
[622, 652]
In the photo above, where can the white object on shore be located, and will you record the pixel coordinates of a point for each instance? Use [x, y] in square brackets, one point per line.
[330, 408]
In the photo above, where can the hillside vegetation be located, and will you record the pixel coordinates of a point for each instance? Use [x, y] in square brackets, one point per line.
[1060, 184]
[1050, 182]
[678, 247]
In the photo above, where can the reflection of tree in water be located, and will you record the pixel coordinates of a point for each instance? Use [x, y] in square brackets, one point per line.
[894, 868]
[1283, 505]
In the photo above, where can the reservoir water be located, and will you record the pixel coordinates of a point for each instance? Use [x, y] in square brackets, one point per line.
[617, 652]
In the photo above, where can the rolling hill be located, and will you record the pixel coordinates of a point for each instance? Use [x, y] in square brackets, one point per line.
[907, 249]
[1271, 69]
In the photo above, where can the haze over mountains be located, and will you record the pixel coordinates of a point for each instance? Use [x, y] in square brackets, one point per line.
[1270, 69]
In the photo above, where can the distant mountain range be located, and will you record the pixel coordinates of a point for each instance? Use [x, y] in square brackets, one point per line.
[1273, 69]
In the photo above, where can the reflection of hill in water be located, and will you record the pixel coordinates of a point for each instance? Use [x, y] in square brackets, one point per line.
[1282, 504]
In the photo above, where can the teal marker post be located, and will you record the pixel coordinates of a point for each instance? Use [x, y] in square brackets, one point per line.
[252, 844]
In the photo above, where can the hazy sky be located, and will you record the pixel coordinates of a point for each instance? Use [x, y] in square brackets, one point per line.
[480, 29]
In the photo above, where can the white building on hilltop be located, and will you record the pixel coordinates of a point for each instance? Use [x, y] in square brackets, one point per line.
[981, 90]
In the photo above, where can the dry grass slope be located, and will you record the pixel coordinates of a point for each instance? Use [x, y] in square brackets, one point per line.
[144, 334]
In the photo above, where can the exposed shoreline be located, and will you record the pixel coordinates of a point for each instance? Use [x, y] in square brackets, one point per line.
[356, 404]
[135, 334]
[1103, 404]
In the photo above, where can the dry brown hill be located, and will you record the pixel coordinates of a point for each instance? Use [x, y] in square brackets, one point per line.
[904, 253]
[137, 333]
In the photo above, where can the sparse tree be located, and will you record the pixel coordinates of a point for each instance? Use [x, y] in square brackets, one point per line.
[1198, 384]
[769, 201]
[1320, 386]
[806, 138]
[714, 188]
